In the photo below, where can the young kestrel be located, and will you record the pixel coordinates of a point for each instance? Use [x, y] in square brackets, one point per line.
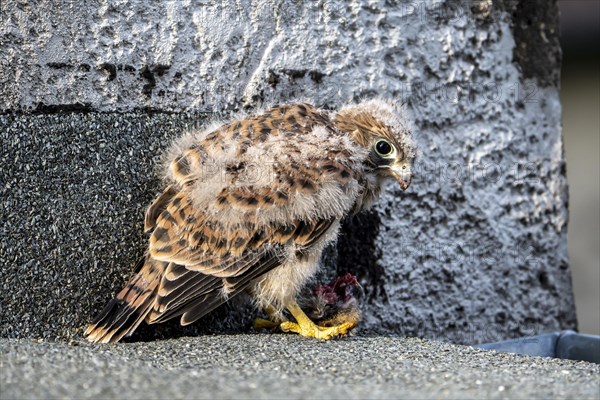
[250, 205]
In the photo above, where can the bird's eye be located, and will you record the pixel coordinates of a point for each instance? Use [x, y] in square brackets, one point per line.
[384, 148]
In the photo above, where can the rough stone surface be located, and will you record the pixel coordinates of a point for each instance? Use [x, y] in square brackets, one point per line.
[284, 366]
[474, 251]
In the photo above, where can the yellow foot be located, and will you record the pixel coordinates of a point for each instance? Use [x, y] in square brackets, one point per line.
[261, 323]
[305, 327]
[316, 331]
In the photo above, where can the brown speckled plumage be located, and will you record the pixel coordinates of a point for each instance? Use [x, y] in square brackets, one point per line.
[250, 205]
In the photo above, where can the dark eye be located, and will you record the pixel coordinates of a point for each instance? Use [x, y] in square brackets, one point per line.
[384, 148]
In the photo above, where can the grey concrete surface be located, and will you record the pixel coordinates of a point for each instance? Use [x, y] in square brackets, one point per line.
[285, 366]
[475, 251]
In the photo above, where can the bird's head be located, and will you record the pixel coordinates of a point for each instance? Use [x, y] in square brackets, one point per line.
[382, 129]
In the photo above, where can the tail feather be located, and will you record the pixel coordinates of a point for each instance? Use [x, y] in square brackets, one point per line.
[123, 314]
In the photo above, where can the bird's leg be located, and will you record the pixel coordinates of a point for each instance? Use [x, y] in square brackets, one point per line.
[305, 327]
[271, 323]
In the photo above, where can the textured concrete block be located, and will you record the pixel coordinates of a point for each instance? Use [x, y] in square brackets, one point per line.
[474, 251]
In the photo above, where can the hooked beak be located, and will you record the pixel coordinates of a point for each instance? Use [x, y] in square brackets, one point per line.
[403, 177]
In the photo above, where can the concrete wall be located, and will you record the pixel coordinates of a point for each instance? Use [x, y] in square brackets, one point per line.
[92, 92]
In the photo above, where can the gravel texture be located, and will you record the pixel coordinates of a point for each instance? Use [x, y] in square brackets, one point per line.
[284, 366]
[475, 251]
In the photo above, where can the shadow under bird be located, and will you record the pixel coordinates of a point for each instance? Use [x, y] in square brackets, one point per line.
[250, 204]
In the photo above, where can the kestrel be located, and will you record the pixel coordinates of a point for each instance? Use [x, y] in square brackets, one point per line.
[250, 205]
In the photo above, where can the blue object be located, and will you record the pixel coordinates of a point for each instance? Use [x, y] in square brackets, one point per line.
[565, 344]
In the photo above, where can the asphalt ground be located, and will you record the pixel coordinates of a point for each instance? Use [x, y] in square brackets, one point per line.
[277, 366]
